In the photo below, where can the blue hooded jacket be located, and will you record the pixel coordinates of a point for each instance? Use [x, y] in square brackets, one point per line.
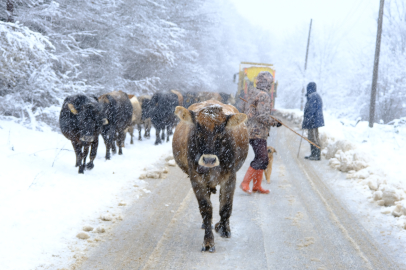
[313, 112]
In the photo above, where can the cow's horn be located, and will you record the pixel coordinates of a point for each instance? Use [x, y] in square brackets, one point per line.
[105, 121]
[72, 109]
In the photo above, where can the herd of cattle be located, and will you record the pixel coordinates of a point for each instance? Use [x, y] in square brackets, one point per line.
[83, 118]
[210, 144]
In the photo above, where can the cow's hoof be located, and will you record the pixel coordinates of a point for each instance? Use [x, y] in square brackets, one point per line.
[210, 249]
[114, 151]
[90, 166]
[82, 169]
[120, 152]
[131, 142]
[108, 157]
[223, 230]
[140, 139]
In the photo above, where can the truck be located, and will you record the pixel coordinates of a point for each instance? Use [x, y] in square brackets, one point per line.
[245, 78]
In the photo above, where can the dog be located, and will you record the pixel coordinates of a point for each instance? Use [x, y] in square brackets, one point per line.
[268, 170]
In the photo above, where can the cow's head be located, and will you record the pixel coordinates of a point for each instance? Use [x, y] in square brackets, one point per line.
[88, 118]
[210, 136]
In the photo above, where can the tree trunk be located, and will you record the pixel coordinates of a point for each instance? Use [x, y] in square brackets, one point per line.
[10, 11]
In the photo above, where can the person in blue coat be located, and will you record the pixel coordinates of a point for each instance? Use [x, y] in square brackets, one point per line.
[313, 119]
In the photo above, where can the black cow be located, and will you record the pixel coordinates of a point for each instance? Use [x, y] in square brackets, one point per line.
[145, 121]
[81, 122]
[227, 98]
[161, 109]
[190, 98]
[117, 108]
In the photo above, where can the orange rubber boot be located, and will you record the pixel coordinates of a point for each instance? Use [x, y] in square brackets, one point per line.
[257, 182]
[245, 184]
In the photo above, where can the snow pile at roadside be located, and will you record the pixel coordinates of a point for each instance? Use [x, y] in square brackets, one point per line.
[372, 158]
[50, 214]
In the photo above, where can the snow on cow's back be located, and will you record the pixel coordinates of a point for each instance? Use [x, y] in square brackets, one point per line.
[227, 109]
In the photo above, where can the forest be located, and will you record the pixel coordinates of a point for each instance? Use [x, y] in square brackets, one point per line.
[51, 49]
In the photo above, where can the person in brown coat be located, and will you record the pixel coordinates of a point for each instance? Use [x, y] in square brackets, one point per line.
[258, 110]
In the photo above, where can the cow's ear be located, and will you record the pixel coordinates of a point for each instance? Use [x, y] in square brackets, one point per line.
[72, 109]
[235, 120]
[184, 114]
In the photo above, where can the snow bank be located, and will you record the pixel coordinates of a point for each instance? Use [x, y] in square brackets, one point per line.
[48, 210]
[371, 157]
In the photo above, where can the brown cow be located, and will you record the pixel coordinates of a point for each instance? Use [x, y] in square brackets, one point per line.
[180, 99]
[210, 145]
[136, 118]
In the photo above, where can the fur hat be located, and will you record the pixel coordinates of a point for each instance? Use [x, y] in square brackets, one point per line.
[264, 80]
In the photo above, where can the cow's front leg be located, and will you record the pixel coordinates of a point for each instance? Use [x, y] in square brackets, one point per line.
[206, 210]
[84, 156]
[139, 132]
[113, 140]
[163, 133]
[158, 138]
[148, 128]
[145, 127]
[93, 153]
[107, 143]
[113, 147]
[131, 131]
[120, 141]
[226, 206]
[77, 147]
[168, 132]
[204, 226]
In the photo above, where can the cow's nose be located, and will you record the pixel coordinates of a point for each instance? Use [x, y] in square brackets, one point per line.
[209, 161]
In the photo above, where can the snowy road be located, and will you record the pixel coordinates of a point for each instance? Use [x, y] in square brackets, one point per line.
[299, 225]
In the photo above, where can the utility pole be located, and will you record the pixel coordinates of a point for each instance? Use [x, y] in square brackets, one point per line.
[10, 11]
[376, 66]
[305, 67]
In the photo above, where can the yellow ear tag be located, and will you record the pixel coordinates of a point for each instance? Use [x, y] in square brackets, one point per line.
[72, 109]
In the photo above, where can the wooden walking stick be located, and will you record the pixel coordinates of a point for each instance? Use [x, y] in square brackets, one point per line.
[285, 126]
[300, 144]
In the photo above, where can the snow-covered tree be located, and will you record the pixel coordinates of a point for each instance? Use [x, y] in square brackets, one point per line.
[138, 46]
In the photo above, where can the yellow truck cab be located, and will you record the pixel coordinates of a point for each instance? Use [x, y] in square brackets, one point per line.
[246, 78]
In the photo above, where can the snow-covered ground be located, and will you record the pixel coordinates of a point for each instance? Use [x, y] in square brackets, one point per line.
[372, 158]
[45, 203]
